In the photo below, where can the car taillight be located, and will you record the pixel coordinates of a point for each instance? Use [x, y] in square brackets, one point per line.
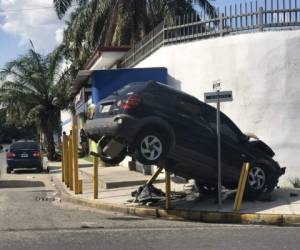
[10, 155]
[131, 102]
[36, 154]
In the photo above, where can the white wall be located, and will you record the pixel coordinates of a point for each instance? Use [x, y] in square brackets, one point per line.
[66, 117]
[262, 70]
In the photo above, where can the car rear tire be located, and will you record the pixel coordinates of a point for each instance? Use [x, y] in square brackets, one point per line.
[151, 147]
[8, 170]
[106, 158]
[40, 169]
[259, 180]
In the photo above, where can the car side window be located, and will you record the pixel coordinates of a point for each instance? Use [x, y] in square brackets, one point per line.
[228, 129]
[157, 97]
[228, 132]
[188, 108]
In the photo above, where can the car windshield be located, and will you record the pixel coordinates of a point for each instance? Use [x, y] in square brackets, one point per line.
[24, 145]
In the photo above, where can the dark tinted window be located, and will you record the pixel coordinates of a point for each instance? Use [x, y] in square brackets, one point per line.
[187, 107]
[24, 145]
[155, 95]
[228, 128]
[132, 87]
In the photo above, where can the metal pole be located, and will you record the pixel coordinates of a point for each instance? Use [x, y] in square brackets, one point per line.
[219, 154]
[96, 162]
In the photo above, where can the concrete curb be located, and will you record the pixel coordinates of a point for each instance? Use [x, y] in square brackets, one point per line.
[201, 216]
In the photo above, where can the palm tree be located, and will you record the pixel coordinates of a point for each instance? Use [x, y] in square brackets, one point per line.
[115, 22]
[34, 91]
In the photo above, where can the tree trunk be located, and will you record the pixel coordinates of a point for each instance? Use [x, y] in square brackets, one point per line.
[50, 146]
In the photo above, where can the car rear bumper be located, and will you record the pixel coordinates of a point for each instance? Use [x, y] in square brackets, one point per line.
[21, 163]
[119, 126]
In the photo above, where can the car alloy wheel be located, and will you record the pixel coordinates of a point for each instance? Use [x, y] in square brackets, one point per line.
[256, 178]
[151, 147]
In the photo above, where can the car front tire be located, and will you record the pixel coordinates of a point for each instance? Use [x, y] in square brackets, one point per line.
[40, 169]
[151, 147]
[260, 180]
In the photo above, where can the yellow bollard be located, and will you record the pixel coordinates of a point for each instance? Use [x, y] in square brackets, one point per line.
[168, 190]
[62, 163]
[64, 158]
[79, 186]
[154, 176]
[241, 187]
[67, 162]
[71, 164]
[75, 153]
[96, 163]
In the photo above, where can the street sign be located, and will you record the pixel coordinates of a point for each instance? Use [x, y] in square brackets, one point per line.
[217, 85]
[223, 96]
[217, 97]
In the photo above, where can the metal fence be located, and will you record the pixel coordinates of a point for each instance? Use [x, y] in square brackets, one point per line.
[250, 16]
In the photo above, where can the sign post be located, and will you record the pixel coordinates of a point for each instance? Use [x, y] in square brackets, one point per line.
[217, 97]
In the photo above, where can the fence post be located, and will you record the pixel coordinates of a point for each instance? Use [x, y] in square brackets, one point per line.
[164, 31]
[261, 18]
[152, 38]
[95, 182]
[221, 27]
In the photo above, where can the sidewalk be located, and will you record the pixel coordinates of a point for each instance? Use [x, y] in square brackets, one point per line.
[117, 183]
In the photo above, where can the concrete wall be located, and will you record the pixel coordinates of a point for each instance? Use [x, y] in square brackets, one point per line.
[262, 70]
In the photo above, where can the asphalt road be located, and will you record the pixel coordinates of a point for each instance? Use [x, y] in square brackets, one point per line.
[32, 217]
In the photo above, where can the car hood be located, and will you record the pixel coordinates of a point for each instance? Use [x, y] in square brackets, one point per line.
[261, 146]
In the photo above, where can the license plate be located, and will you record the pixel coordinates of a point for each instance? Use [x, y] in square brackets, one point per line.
[105, 109]
[24, 155]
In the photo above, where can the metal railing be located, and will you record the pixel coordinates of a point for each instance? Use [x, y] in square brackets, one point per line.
[275, 14]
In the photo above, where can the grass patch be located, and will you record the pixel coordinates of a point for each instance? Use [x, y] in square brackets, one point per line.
[295, 182]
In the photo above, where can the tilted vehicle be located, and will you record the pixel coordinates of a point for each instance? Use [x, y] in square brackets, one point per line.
[154, 122]
[24, 154]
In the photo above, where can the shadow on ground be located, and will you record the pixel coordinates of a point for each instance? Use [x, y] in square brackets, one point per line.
[26, 171]
[20, 184]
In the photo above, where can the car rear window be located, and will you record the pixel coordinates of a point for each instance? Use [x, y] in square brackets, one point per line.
[132, 87]
[24, 145]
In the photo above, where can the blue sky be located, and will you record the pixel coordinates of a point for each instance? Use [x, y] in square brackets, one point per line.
[41, 25]
[24, 20]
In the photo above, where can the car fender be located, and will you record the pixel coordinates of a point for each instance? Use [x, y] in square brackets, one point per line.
[272, 166]
[153, 120]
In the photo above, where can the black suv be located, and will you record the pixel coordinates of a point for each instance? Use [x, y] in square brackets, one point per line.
[153, 122]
